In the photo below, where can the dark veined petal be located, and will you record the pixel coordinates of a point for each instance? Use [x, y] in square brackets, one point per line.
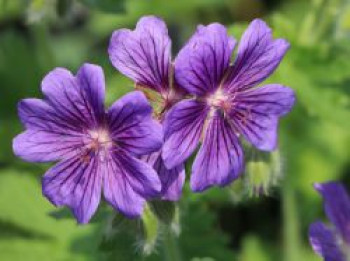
[143, 54]
[92, 80]
[49, 136]
[255, 113]
[78, 100]
[257, 57]
[324, 242]
[131, 124]
[337, 206]
[75, 182]
[183, 128]
[44, 146]
[129, 182]
[172, 180]
[220, 158]
[202, 63]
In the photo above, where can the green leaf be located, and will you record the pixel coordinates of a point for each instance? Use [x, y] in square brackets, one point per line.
[27, 231]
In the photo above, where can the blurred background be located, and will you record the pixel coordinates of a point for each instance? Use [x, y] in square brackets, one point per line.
[264, 216]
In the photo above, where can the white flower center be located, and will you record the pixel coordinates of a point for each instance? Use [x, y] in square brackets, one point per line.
[219, 100]
[100, 140]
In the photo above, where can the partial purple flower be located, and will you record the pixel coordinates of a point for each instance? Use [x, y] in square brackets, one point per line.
[144, 55]
[226, 103]
[96, 149]
[332, 243]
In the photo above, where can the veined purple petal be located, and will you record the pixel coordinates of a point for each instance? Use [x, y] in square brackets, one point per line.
[44, 146]
[202, 63]
[183, 128]
[49, 136]
[220, 158]
[274, 99]
[255, 113]
[75, 183]
[143, 54]
[92, 80]
[337, 206]
[324, 242]
[257, 57]
[172, 180]
[128, 182]
[78, 100]
[131, 124]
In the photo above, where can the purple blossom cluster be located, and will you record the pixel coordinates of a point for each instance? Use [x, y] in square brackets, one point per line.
[332, 243]
[130, 152]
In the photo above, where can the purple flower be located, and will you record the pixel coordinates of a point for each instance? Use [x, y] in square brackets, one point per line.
[226, 104]
[332, 243]
[144, 55]
[95, 148]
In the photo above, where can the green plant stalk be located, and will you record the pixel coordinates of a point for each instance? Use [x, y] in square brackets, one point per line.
[171, 251]
[291, 234]
[306, 36]
[42, 45]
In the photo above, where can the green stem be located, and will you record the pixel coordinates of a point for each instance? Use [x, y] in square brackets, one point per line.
[290, 223]
[43, 47]
[171, 250]
[305, 38]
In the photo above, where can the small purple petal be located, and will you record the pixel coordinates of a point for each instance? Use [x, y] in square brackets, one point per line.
[256, 111]
[337, 206]
[76, 184]
[202, 63]
[183, 128]
[220, 158]
[143, 54]
[257, 57]
[78, 100]
[132, 127]
[128, 182]
[324, 242]
[172, 180]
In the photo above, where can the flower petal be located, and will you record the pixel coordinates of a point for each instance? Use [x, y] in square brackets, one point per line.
[75, 183]
[324, 242]
[220, 158]
[131, 124]
[172, 180]
[44, 146]
[202, 63]
[257, 57]
[255, 113]
[183, 128]
[128, 182]
[78, 100]
[92, 80]
[143, 54]
[49, 136]
[337, 206]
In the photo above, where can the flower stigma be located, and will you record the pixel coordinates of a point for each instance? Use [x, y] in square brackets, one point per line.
[99, 143]
[219, 100]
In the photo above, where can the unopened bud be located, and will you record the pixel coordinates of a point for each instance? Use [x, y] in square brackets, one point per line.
[263, 171]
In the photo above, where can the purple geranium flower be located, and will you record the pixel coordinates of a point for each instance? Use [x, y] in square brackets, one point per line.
[332, 244]
[144, 55]
[95, 148]
[225, 103]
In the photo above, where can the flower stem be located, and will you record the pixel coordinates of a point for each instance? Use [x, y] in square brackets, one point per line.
[290, 222]
[171, 250]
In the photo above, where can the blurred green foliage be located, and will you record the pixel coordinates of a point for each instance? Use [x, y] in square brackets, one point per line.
[220, 224]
